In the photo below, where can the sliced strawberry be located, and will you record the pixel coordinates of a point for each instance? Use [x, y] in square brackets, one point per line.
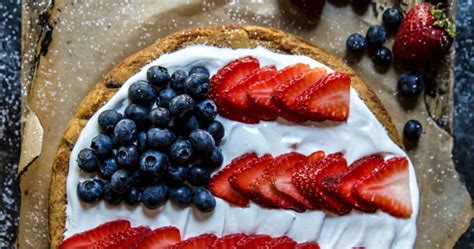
[225, 78]
[236, 95]
[388, 188]
[358, 170]
[253, 242]
[242, 181]
[261, 93]
[286, 92]
[307, 245]
[228, 241]
[308, 181]
[329, 99]
[89, 237]
[201, 241]
[161, 238]
[316, 156]
[123, 239]
[219, 184]
[282, 242]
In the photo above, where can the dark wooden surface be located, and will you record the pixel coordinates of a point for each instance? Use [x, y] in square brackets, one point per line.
[10, 112]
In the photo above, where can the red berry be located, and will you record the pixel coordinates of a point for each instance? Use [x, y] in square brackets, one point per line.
[161, 238]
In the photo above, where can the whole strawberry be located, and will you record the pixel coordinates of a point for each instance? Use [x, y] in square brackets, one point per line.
[425, 34]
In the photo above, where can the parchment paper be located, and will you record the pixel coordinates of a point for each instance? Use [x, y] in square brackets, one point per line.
[70, 45]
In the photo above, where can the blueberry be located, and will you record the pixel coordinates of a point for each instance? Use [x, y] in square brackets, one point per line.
[165, 96]
[90, 190]
[155, 196]
[160, 117]
[216, 129]
[142, 93]
[181, 105]
[125, 132]
[121, 181]
[215, 159]
[127, 156]
[360, 2]
[158, 75]
[138, 114]
[356, 42]
[203, 200]
[412, 130]
[160, 138]
[392, 17]
[177, 80]
[383, 56]
[410, 84]
[141, 141]
[198, 175]
[177, 174]
[181, 195]
[199, 69]
[202, 141]
[107, 168]
[110, 196]
[376, 36]
[102, 145]
[108, 119]
[133, 196]
[153, 164]
[197, 85]
[87, 160]
[186, 125]
[206, 111]
[137, 178]
[181, 151]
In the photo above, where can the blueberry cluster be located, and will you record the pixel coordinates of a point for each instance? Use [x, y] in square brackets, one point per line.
[164, 146]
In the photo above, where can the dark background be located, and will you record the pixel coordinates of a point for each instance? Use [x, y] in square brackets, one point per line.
[10, 91]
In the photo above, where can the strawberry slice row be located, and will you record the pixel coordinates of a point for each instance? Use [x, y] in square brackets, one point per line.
[316, 182]
[119, 234]
[248, 93]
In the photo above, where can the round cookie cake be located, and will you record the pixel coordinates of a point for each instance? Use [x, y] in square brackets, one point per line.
[309, 157]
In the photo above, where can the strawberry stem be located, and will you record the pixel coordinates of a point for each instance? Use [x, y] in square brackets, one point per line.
[443, 21]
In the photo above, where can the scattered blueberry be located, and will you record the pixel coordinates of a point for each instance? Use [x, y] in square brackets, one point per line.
[165, 96]
[160, 138]
[186, 125]
[215, 159]
[87, 160]
[412, 130]
[133, 196]
[160, 117]
[108, 119]
[102, 144]
[202, 141]
[206, 111]
[376, 36]
[141, 140]
[198, 175]
[181, 151]
[90, 190]
[142, 93]
[177, 80]
[181, 105]
[158, 75]
[360, 2]
[155, 196]
[138, 114]
[110, 196]
[107, 168]
[153, 164]
[125, 131]
[177, 174]
[127, 156]
[410, 84]
[203, 200]
[197, 85]
[181, 195]
[121, 181]
[199, 69]
[383, 56]
[216, 129]
[392, 17]
[356, 42]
